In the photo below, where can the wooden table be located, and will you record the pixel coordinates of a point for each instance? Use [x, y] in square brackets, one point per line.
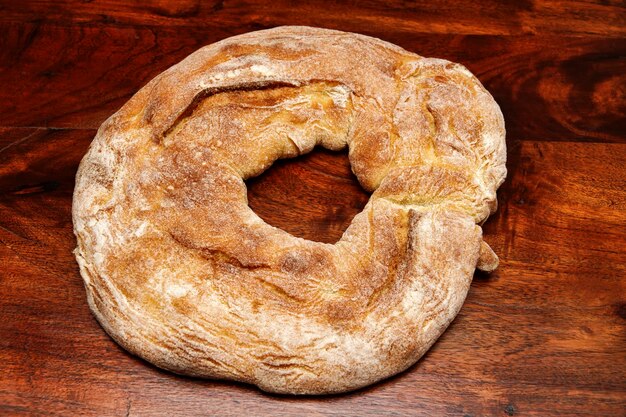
[543, 335]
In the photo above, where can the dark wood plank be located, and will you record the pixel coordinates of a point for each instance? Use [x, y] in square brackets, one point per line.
[319, 214]
[543, 335]
[552, 188]
[493, 17]
[548, 87]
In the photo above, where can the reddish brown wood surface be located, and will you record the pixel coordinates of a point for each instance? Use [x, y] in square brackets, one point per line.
[543, 335]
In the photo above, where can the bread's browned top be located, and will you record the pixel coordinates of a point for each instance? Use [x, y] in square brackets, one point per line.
[179, 270]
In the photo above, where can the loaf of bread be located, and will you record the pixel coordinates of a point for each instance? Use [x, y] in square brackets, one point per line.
[181, 272]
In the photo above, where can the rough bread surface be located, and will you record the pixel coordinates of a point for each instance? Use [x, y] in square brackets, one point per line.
[181, 272]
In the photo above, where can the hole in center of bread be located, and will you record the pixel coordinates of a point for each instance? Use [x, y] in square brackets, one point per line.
[314, 196]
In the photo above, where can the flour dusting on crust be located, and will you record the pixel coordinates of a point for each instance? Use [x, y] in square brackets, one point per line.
[180, 271]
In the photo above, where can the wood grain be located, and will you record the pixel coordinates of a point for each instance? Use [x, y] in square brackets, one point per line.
[574, 90]
[543, 335]
[294, 195]
[489, 17]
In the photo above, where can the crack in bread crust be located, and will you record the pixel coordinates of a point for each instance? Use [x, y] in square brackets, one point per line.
[180, 271]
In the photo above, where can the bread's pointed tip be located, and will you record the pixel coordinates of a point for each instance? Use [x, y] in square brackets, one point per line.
[487, 260]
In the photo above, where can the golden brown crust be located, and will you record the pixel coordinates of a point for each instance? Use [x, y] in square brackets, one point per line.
[181, 272]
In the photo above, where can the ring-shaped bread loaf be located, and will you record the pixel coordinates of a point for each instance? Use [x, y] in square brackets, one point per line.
[181, 272]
